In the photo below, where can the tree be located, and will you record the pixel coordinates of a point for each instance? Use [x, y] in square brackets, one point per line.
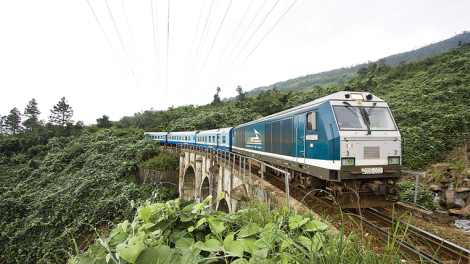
[216, 100]
[62, 113]
[31, 112]
[3, 126]
[103, 122]
[13, 121]
[241, 95]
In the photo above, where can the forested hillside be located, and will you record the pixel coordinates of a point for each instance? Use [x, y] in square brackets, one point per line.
[340, 76]
[429, 99]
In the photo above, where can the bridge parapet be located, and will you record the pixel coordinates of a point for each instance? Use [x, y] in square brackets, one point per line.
[205, 172]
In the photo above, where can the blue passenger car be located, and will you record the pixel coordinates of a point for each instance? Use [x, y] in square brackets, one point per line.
[157, 136]
[215, 139]
[186, 138]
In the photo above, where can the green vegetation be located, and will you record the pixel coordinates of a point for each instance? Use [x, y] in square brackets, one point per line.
[339, 77]
[429, 100]
[183, 232]
[163, 162]
[424, 198]
[52, 185]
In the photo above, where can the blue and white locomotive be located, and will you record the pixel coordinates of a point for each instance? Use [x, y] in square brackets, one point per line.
[347, 143]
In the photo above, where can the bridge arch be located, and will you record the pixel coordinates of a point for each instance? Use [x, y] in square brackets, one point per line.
[189, 184]
[205, 188]
[223, 206]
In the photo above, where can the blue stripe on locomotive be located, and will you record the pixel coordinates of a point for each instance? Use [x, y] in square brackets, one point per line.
[285, 136]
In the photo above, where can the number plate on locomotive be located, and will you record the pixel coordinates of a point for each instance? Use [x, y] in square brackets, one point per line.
[372, 170]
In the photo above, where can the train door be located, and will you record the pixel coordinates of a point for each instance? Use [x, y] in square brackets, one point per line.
[300, 127]
[217, 140]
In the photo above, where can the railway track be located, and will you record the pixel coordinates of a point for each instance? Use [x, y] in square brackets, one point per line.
[417, 245]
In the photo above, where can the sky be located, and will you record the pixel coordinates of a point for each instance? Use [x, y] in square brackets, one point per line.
[120, 57]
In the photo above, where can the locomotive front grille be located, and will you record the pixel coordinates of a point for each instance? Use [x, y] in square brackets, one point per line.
[372, 152]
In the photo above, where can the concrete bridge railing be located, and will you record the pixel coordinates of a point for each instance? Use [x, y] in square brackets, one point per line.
[204, 172]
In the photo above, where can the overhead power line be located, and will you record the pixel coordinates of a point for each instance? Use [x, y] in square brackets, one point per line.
[199, 45]
[213, 42]
[120, 40]
[167, 49]
[155, 40]
[259, 43]
[228, 44]
[236, 45]
[107, 40]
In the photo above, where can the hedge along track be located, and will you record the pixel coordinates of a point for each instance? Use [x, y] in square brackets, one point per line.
[419, 245]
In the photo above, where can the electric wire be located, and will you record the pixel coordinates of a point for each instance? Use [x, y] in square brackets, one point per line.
[233, 61]
[213, 42]
[230, 41]
[120, 40]
[211, 18]
[155, 39]
[259, 42]
[194, 39]
[167, 49]
[107, 40]
[236, 45]
[199, 45]
[132, 37]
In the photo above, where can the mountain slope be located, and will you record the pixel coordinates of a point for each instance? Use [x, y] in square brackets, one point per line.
[340, 76]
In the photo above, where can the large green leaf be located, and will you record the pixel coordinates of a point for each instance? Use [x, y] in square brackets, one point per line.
[261, 253]
[216, 226]
[145, 213]
[296, 221]
[233, 248]
[250, 229]
[211, 245]
[188, 208]
[184, 243]
[130, 252]
[314, 225]
[190, 257]
[155, 255]
[247, 243]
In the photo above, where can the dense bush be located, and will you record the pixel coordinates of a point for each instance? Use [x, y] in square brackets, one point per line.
[163, 162]
[49, 189]
[424, 198]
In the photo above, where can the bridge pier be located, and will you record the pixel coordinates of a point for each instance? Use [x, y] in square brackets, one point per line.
[203, 173]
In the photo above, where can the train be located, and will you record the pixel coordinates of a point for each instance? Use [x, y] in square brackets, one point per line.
[346, 145]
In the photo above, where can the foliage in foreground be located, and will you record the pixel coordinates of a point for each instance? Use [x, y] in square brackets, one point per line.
[183, 232]
[51, 186]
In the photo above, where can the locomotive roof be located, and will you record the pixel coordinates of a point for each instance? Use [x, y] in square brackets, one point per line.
[215, 131]
[339, 96]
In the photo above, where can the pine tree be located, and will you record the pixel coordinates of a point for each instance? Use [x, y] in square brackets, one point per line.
[13, 121]
[62, 113]
[31, 112]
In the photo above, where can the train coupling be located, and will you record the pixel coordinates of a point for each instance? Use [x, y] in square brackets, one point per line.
[378, 187]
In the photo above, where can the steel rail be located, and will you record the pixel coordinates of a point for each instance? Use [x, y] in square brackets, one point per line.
[457, 253]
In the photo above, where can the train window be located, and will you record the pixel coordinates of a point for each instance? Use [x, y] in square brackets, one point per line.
[213, 139]
[223, 139]
[312, 121]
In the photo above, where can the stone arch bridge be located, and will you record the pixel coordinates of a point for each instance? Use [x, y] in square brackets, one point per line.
[204, 172]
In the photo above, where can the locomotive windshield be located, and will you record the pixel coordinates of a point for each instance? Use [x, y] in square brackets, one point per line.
[350, 118]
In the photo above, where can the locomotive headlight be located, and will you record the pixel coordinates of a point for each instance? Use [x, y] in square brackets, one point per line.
[393, 160]
[347, 162]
